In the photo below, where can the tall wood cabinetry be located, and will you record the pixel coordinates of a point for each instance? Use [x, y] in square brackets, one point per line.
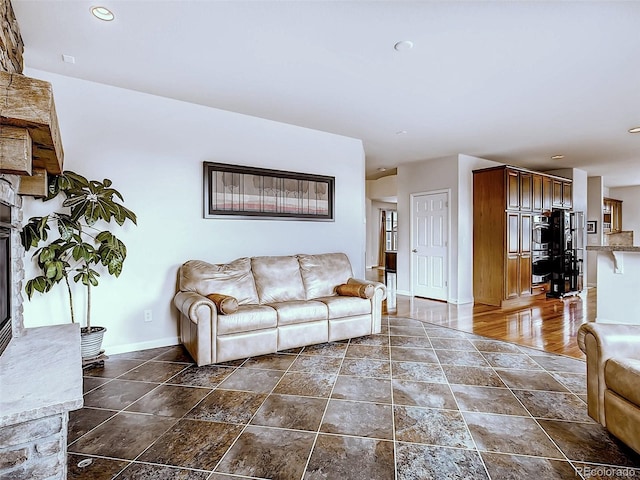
[611, 215]
[505, 200]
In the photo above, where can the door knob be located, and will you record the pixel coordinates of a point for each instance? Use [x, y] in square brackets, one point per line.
[415, 250]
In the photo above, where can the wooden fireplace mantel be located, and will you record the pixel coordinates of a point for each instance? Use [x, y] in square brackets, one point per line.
[30, 141]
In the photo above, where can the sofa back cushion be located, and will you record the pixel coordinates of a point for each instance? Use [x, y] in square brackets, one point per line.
[321, 274]
[234, 279]
[277, 279]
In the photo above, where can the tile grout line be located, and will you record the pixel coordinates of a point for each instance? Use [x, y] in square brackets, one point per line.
[324, 413]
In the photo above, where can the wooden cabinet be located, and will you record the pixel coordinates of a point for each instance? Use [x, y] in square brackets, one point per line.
[611, 215]
[518, 258]
[547, 194]
[537, 193]
[526, 191]
[519, 190]
[562, 194]
[504, 199]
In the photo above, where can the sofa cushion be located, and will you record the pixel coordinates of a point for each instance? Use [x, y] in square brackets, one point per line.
[340, 307]
[247, 319]
[277, 279]
[224, 303]
[322, 273]
[622, 375]
[234, 279]
[363, 290]
[300, 311]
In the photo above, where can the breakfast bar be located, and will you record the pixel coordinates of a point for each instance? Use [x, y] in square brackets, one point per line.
[618, 278]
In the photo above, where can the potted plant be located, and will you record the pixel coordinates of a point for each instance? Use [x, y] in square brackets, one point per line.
[82, 245]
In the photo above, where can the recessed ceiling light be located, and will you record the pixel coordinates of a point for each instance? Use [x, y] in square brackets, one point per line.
[382, 169]
[634, 130]
[557, 157]
[403, 45]
[68, 58]
[103, 13]
[401, 132]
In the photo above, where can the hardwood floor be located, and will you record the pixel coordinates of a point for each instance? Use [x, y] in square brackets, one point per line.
[548, 324]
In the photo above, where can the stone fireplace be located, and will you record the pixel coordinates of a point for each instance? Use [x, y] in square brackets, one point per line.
[40, 368]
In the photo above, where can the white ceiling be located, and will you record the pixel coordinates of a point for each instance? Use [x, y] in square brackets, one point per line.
[511, 81]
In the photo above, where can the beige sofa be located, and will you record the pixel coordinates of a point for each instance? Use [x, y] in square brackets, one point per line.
[613, 377]
[283, 302]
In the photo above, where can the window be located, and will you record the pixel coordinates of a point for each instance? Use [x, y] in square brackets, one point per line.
[391, 230]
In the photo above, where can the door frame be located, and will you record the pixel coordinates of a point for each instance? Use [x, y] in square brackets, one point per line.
[412, 196]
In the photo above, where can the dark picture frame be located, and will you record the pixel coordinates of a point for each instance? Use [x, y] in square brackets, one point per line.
[237, 191]
[592, 226]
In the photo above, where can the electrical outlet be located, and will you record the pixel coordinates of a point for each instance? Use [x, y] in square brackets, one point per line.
[148, 316]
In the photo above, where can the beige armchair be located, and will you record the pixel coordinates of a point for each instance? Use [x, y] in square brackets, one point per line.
[613, 377]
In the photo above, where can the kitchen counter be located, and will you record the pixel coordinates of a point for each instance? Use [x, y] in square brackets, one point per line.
[613, 248]
[618, 277]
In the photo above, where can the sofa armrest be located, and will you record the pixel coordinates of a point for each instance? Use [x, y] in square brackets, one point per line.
[600, 342]
[379, 294]
[380, 288]
[198, 326]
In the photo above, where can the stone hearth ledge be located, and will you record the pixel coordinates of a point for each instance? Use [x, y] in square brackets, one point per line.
[41, 374]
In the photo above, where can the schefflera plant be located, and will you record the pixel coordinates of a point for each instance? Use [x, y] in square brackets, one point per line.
[78, 248]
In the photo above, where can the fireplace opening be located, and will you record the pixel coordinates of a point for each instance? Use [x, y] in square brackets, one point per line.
[5, 276]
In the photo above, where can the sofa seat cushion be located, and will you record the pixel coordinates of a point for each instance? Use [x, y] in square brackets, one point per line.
[300, 311]
[247, 319]
[340, 307]
[322, 273]
[622, 375]
[277, 279]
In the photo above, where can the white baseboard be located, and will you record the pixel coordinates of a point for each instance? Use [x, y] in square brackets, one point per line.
[457, 301]
[132, 347]
[403, 292]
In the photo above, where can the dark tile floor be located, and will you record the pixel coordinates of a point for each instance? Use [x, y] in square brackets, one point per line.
[418, 401]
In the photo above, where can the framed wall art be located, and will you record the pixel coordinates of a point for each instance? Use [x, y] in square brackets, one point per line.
[592, 226]
[236, 191]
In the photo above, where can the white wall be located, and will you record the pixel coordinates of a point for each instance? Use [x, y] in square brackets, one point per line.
[153, 148]
[453, 173]
[630, 197]
[594, 213]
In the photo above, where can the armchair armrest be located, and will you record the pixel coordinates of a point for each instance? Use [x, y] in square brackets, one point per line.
[611, 339]
[600, 342]
[198, 325]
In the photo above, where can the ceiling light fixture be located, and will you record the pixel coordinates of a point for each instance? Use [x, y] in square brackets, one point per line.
[634, 130]
[557, 157]
[403, 45]
[401, 132]
[382, 169]
[102, 13]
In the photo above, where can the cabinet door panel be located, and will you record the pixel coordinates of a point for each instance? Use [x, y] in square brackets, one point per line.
[547, 194]
[567, 195]
[525, 233]
[512, 277]
[525, 191]
[536, 193]
[524, 275]
[513, 190]
[513, 233]
[557, 193]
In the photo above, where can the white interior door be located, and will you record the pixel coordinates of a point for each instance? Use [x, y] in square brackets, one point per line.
[430, 244]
